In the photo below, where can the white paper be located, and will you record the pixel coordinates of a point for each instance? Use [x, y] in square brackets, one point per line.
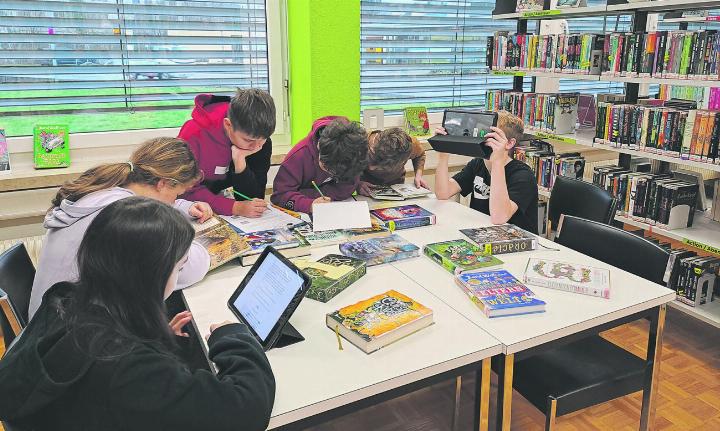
[341, 215]
[272, 218]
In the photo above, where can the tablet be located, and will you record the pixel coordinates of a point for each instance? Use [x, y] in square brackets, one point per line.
[269, 295]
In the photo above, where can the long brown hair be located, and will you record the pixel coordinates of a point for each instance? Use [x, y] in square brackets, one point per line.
[155, 159]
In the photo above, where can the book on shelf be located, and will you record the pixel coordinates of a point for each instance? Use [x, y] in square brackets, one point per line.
[528, 5]
[283, 240]
[555, 113]
[221, 242]
[333, 237]
[696, 280]
[569, 277]
[547, 166]
[499, 293]
[4, 153]
[331, 275]
[378, 321]
[416, 120]
[397, 192]
[568, 4]
[51, 146]
[503, 238]
[403, 217]
[376, 251]
[460, 256]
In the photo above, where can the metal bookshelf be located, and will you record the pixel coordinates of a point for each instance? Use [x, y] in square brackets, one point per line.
[611, 78]
[605, 10]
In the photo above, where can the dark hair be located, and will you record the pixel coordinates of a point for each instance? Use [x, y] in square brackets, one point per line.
[389, 148]
[124, 262]
[343, 148]
[153, 160]
[253, 111]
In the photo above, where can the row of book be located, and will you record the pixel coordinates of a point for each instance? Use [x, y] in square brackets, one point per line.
[690, 135]
[547, 165]
[550, 112]
[655, 199]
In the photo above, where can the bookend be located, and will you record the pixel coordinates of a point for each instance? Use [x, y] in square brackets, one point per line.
[289, 335]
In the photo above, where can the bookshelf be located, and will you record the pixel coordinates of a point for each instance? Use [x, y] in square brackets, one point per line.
[609, 9]
[609, 78]
[708, 313]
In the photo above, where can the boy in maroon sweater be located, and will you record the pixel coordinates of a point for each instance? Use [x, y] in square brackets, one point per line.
[333, 155]
[230, 138]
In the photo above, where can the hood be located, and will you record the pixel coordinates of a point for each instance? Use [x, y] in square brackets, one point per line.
[209, 112]
[69, 212]
[320, 124]
[42, 364]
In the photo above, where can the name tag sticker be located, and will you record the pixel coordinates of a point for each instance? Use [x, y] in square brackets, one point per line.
[220, 170]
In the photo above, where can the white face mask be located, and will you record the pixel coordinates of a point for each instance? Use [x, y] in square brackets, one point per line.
[172, 280]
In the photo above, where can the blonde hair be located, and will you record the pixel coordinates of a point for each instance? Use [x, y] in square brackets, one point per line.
[155, 159]
[511, 125]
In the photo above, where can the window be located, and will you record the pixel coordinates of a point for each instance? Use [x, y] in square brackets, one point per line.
[102, 65]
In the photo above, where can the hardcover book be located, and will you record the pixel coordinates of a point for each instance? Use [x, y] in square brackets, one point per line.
[416, 120]
[4, 154]
[283, 240]
[499, 239]
[51, 147]
[319, 239]
[331, 275]
[376, 251]
[460, 256]
[220, 240]
[499, 293]
[403, 217]
[379, 321]
[397, 192]
[568, 277]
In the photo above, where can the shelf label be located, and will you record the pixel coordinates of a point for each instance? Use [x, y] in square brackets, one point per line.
[508, 72]
[701, 246]
[560, 138]
[539, 13]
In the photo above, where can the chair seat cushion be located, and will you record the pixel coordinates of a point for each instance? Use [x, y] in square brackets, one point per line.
[581, 374]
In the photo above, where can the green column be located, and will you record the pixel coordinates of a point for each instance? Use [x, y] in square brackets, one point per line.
[324, 57]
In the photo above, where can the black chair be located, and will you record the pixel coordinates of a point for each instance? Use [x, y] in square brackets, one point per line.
[16, 279]
[592, 370]
[579, 198]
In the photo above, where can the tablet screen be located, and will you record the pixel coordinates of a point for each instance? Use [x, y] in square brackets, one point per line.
[474, 124]
[267, 295]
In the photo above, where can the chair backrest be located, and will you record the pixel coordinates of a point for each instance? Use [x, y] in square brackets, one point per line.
[617, 247]
[579, 198]
[16, 279]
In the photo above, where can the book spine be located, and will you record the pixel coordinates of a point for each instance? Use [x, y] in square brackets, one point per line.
[448, 264]
[567, 287]
[409, 223]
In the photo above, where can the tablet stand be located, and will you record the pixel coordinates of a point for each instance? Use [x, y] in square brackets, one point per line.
[289, 335]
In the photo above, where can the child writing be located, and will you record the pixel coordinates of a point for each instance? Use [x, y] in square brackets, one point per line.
[388, 151]
[502, 187]
[330, 158]
[230, 138]
[161, 169]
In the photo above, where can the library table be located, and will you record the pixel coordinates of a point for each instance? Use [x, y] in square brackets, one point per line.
[317, 382]
[568, 316]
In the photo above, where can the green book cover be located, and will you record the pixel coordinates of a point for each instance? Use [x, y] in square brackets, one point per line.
[331, 275]
[685, 58]
[460, 256]
[51, 147]
[416, 120]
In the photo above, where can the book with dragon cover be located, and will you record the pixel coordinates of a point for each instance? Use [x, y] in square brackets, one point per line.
[403, 217]
[283, 240]
[221, 242]
[569, 277]
[331, 275]
[499, 293]
[459, 256]
[379, 321]
[504, 238]
[376, 251]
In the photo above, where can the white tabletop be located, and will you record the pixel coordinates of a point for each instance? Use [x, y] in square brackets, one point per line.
[566, 313]
[313, 376]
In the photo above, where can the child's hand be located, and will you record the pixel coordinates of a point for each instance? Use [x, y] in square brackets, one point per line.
[322, 200]
[364, 188]
[251, 209]
[177, 323]
[498, 142]
[440, 131]
[420, 182]
[200, 211]
[239, 155]
[215, 326]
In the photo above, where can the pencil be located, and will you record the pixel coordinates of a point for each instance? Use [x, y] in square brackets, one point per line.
[317, 188]
[242, 195]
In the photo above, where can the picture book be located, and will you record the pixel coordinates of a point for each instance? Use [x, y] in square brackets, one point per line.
[4, 154]
[416, 120]
[331, 275]
[375, 251]
[220, 240]
[283, 240]
[397, 192]
[499, 293]
[568, 277]
[499, 239]
[51, 147]
[379, 321]
[403, 217]
[528, 5]
[458, 256]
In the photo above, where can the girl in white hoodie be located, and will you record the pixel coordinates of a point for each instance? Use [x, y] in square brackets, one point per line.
[161, 168]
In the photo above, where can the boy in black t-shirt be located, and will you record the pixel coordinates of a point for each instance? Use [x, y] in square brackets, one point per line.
[502, 187]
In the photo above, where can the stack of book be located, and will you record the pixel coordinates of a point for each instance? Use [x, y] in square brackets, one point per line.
[545, 112]
[403, 217]
[498, 293]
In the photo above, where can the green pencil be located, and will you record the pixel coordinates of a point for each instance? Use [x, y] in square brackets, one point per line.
[242, 195]
[317, 188]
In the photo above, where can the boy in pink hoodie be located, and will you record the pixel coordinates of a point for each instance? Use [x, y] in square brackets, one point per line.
[230, 138]
[333, 155]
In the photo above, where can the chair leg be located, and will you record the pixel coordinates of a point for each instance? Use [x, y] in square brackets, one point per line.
[456, 404]
[551, 414]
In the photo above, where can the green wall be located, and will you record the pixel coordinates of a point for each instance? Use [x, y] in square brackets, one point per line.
[324, 59]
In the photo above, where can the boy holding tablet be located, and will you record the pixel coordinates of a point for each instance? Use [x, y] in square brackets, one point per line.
[502, 187]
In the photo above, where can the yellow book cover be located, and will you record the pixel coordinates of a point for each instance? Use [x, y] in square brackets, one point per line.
[221, 242]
